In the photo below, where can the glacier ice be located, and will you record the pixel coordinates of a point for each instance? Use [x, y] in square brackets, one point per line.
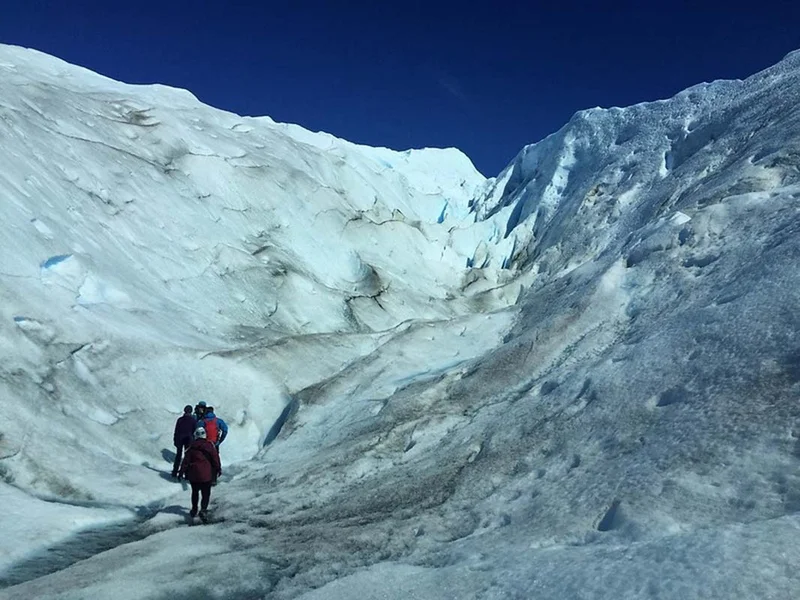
[575, 379]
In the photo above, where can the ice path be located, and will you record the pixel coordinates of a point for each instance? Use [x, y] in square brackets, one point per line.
[89, 542]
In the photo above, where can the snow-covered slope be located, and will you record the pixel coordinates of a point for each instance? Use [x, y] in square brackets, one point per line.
[144, 231]
[578, 379]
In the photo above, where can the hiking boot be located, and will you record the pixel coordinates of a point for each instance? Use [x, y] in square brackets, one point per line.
[204, 516]
[193, 513]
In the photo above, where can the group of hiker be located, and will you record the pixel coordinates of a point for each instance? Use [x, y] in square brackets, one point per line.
[198, 434]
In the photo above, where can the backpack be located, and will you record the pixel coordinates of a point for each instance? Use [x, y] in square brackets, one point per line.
[212, 429]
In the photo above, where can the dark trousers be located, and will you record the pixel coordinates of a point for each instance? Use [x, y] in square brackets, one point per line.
[197, 490]
[178, 456]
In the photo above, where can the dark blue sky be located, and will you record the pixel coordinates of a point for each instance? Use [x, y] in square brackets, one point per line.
[487, 80]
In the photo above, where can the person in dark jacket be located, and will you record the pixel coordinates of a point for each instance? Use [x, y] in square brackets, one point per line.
[184, 428]
[201, 467]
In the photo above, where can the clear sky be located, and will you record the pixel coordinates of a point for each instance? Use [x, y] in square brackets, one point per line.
[486, 77]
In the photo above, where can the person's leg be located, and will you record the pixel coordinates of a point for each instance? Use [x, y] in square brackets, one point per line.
[205, 490]
[177, 463]
[195, 497]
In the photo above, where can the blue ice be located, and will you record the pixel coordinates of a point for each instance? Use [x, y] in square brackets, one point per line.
[441, 215]
[54, 260]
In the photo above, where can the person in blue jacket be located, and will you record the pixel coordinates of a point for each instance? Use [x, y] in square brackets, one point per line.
[216, 428]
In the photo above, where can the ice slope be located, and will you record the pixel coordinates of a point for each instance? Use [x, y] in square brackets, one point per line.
[146, 238]
[270, 206]
[608, 173]
[627, 429]
[144, 230]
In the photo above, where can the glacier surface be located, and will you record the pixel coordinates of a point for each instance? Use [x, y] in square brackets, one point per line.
[578, 379]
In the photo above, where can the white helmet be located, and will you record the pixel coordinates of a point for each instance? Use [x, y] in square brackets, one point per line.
[200, 432]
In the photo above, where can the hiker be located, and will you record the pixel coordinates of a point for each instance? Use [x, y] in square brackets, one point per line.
[201, 467]
[182, 437]
[216, 428]
[200, 410]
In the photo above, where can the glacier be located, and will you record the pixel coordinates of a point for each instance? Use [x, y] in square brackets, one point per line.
[577, 379]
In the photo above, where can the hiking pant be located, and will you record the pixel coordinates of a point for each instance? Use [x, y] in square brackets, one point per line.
[198, 489]
[178, 457]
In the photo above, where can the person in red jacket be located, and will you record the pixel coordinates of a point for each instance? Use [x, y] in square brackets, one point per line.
[201, 467]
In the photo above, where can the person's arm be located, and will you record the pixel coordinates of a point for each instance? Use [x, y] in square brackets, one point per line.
[223, 430]
[218, 462]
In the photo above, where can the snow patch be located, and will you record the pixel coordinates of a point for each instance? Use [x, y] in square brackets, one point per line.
[43, 229]
[97, 291]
